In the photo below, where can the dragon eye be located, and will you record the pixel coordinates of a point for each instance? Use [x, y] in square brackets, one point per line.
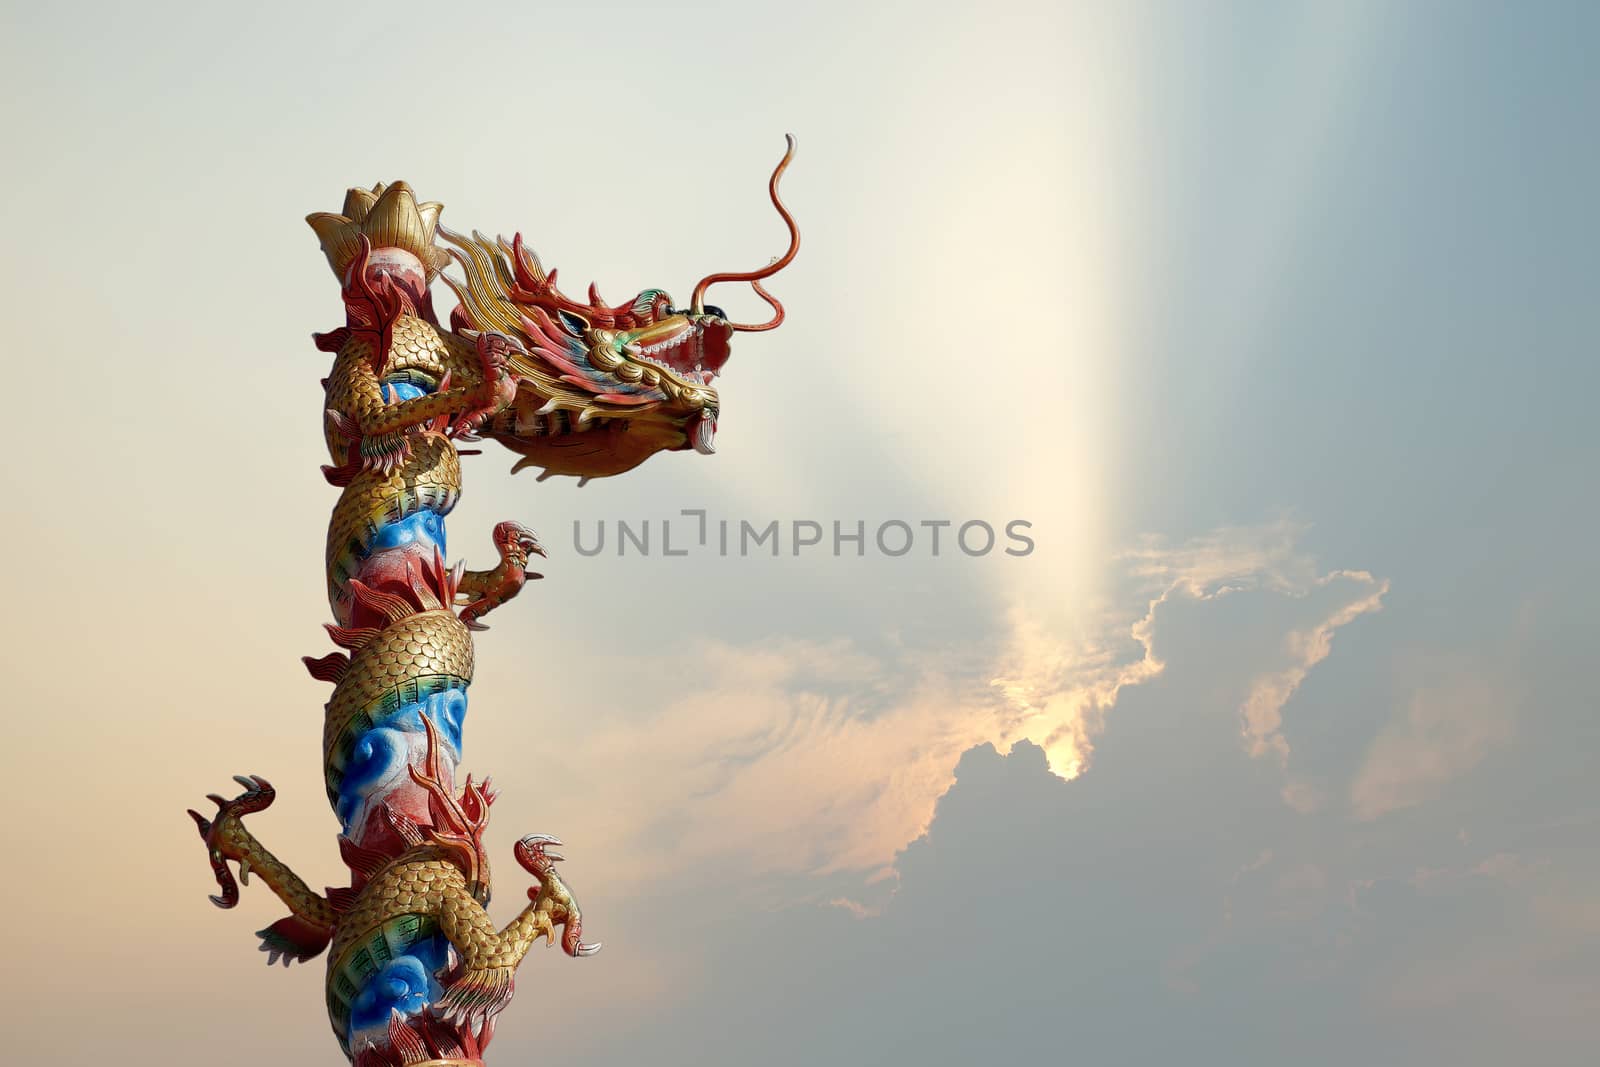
[572, 322]
[712, 309]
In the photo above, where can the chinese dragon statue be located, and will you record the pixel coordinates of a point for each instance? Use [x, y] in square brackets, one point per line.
[417, 972]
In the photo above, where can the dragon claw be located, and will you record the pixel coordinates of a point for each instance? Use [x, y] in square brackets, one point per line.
[530, 852]
[258, 794]
[551, 898]
[525, 538]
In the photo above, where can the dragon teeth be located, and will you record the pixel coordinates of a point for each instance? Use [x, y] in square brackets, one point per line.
[664, 345]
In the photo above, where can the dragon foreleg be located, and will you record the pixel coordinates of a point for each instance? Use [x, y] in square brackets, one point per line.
[360, 414]
[483, 591]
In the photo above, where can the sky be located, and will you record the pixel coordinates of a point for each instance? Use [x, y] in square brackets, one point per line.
[1274, 322]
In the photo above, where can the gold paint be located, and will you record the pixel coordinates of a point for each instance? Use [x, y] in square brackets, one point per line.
[388, 216]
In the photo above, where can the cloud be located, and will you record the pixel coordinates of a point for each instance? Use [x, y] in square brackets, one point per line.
[1115, 916]
[791, 757]
[1445, 731]
[1061, 690]
[1262, 711]
[1265, 557]
[1231, 557]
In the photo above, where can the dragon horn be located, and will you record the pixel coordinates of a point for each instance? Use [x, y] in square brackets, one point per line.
[697, 303]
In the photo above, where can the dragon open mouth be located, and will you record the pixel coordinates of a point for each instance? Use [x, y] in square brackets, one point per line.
[691, 350]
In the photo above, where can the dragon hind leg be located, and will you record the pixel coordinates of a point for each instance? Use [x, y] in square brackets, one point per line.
[306, 931]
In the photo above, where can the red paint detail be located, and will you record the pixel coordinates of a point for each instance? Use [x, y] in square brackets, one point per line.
[363, 862]
[330, 668]
[341, 898]
[351, 638]
[295, 938]
[331, 341]
[406, 1041]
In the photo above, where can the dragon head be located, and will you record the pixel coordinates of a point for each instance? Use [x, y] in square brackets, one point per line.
[602, 388]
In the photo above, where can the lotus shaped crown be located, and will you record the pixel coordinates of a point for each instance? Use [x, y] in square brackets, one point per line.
[388, 216]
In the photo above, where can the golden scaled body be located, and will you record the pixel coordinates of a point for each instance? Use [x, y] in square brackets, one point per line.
[429, 887]
[417, 349]
[403, 665]
[428, 479]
